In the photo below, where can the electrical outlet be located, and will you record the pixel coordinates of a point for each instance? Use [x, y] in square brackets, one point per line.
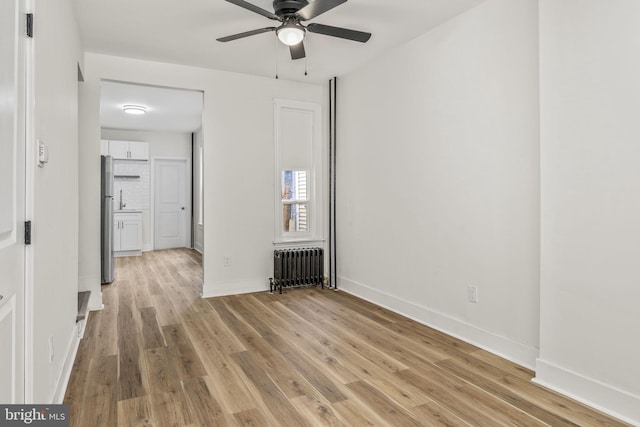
[51, 352]
[226, 261]
[472, 292]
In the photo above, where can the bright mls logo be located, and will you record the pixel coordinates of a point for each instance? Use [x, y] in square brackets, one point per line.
[34, 415]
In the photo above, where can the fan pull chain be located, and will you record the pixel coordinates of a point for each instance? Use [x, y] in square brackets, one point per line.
[305, 61]
[275, 51]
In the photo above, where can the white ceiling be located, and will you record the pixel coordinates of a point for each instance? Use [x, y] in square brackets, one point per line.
[185, 32]
[168, 110]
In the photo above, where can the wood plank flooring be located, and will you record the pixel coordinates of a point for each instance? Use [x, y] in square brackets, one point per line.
[159, 355]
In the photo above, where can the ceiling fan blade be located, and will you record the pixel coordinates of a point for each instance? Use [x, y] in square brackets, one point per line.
[254, 8]
[297, 51]
[246, 34]
[343, 33]
[317, 7]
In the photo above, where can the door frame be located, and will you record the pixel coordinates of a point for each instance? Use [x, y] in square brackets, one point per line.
[20, 304]
[152, 213]
[30, 174]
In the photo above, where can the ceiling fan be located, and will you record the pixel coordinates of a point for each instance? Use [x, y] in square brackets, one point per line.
[291, 32]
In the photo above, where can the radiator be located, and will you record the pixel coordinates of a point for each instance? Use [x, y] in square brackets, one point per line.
[297, 268]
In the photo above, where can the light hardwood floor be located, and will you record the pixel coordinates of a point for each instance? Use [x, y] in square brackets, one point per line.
[159, 355]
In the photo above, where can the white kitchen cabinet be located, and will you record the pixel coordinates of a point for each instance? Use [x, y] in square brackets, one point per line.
[127, 233]
[119, 149]
[139, 150]
[129, 150]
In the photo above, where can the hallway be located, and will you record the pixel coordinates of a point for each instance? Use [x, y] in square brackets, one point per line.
[127, 335]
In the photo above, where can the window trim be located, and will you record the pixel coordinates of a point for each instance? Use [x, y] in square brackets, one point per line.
[314, 178]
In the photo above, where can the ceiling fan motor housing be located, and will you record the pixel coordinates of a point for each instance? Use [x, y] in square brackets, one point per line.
[288, 8]
[291, 13]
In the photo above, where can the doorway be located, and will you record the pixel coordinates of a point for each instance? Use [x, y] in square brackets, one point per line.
[153, 175]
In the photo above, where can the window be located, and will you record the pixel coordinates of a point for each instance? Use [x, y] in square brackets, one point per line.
[298, 172]
[295, 201]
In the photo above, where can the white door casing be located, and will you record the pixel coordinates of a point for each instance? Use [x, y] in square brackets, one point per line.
[12, 201]
[171, 207]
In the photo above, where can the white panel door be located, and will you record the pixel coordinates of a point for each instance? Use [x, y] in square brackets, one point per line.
[171, 211]
[12, 201]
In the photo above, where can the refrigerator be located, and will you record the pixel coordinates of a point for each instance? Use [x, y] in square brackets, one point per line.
[106, 218]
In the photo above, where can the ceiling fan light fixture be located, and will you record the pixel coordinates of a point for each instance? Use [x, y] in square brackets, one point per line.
[290, 34]
[134, 109]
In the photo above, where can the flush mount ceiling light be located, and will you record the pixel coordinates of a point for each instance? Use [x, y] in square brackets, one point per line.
[290, 33]
[134, 109]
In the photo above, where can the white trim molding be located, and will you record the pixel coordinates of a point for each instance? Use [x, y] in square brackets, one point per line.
[487, 340]
[62, 381]
[300, 243]
[620, 404]
[8, 314]
[234, 288]
[312, 164]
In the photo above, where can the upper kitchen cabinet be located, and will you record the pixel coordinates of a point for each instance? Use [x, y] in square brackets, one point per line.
[127, 150]
[139, 150]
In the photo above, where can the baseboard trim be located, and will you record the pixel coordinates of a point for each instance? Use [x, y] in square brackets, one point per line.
[127, 253]
[233, 288]
[497, 344]
[67, 367]
[620, 404]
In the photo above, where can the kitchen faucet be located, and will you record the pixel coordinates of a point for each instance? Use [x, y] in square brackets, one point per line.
[122, 204]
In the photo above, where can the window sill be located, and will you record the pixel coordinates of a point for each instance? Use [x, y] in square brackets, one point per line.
[302, 242]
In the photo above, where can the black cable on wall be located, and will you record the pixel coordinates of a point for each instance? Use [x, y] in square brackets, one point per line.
[333, 263]
[193, 227]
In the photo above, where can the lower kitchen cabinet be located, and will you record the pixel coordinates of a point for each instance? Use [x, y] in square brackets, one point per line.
[127, 234]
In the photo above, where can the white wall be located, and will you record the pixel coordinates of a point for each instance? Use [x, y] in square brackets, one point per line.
[590, 161]
[198, 238]
[161, 144]
[55, 210]
[438, 178]
[89, 275]
[238, 139]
